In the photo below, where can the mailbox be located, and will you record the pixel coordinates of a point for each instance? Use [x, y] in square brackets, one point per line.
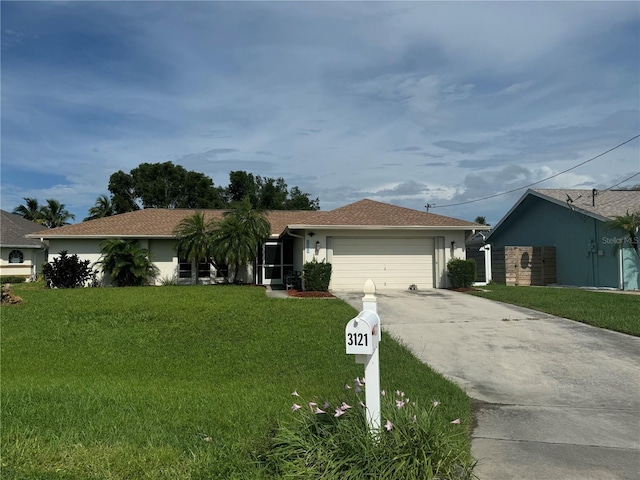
[362, 333]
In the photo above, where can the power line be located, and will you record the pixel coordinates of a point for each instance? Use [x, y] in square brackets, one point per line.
[629, 178]
[540, 181]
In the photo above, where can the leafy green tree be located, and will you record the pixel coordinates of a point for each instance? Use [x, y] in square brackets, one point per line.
[163, 185]
[239, 235]
[630, 223]
[126, 262]
[272, 193]
[242, 185]
[103, 208]
[55, 215]
[195, 238]
[30, 210]
[267, 193]
[481, 220]
[123, 195]
[300, 201]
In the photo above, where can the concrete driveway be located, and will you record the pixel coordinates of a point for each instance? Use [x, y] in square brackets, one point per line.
[556, 399]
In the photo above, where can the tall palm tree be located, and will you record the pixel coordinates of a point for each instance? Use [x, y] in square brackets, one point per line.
[239, 235]
[102, 208]
[195, 238]
[126, 262]
[630, 223]
[31, 210]
[55, 215]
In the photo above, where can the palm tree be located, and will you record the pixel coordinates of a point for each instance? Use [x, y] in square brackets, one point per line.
[239, 235]
[55, 215]
[126, 262]
[31, 210]
[195, 238]
[630, 223]
[481, 219]
[102, 208]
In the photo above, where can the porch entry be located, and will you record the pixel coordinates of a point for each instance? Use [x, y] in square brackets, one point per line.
[275, 260]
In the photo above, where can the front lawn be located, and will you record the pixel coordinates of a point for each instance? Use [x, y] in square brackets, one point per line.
[614, 311]
[174, 382]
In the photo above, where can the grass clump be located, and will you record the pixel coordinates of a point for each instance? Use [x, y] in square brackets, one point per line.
[331, 439]
[613, 311]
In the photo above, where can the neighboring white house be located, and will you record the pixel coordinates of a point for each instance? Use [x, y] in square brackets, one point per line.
[395, 246]
[20, 256]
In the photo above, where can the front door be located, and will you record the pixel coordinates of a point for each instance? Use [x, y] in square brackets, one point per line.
[272, 263]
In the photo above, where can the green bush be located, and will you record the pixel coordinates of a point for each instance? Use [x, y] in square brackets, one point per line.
[67, 271]
[12, 279]
[462, 273]
[332, 440]
[317, 276]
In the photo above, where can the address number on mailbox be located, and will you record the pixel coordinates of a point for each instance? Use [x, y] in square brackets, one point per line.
[361, 334]
[359, 339]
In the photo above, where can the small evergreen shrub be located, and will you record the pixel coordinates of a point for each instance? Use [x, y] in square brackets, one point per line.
[317, 276]
[67, 271]
[332, 440]
[462, 273]
[12, 279]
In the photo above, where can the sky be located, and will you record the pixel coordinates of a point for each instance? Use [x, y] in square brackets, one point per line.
[408, 103]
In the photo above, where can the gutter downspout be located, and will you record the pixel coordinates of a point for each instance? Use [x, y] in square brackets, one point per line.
[620, 269]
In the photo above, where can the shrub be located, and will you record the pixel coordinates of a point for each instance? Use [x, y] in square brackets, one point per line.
[462, 273]
[126, 262]
[317, 276]
[332, 440]
[12, 279]
[67, 271]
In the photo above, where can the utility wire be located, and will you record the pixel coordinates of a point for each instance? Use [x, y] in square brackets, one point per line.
[614, 186]
[540, 181]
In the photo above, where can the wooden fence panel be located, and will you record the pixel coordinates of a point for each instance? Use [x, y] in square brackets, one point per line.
[498, 271]
[524, 265]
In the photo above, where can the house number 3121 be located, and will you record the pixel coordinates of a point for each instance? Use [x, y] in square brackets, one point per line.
[357, 339]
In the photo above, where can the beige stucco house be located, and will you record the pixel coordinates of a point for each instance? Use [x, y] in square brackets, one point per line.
[395, 246]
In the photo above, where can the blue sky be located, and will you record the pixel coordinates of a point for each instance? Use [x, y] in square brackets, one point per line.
[405, 103]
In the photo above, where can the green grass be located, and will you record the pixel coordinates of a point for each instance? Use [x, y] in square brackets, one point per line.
[613, 311]
[173, 382]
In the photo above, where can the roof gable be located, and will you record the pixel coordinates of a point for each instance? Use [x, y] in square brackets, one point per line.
[605, 206]
[377, 214]
[14, 228]
[160, 223]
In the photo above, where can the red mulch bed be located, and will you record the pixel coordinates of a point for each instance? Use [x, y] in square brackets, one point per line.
[300, 294]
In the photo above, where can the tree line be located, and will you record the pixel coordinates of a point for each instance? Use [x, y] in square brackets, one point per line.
[165, 185]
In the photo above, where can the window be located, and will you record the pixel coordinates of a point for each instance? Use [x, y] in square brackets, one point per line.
[184, 267]
[16, 256]
[204, 270]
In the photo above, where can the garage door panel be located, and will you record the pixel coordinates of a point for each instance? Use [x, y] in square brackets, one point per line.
[392, 263]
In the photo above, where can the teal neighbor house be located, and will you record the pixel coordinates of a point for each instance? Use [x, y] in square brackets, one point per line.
[573, 223]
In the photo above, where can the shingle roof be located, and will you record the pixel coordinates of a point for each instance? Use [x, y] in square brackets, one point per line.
[13, 229]
[152, 222]
[607, 204]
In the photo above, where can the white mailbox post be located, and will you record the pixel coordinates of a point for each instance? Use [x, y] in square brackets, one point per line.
[362, 336]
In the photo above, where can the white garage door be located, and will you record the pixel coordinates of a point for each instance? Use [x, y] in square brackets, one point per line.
[392, 263]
